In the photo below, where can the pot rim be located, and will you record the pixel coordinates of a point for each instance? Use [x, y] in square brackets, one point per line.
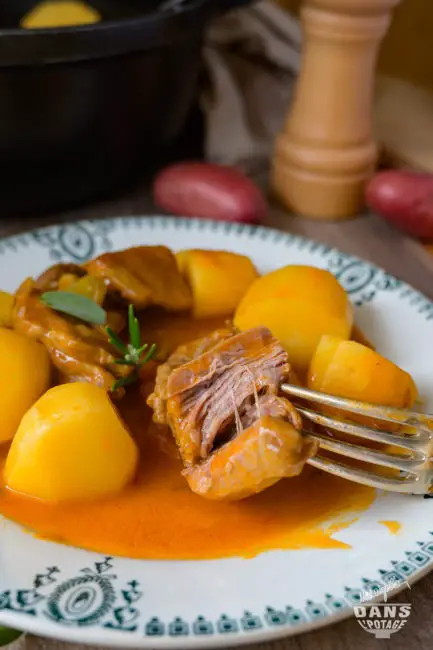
[29, 47]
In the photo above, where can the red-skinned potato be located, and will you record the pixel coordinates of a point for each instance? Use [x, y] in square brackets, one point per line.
[405, 199]
[194, 189]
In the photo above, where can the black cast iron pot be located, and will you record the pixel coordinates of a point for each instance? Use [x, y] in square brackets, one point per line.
[84, 111]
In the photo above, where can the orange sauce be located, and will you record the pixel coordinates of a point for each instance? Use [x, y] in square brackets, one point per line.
[394, 527]
[158, 517]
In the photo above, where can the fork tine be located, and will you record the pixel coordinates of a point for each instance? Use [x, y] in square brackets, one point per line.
[398, 439]
[365, 477]
[372, 456]
[387, 413]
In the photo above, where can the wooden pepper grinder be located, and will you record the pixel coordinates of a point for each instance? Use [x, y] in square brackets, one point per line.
[325, 152]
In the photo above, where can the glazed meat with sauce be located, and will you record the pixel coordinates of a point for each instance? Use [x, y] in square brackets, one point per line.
[51, 278]
[80, 352]
[184, 353]
[235, 435]
[269, 450]
[144, 276]
[206, 393]
[141, 276]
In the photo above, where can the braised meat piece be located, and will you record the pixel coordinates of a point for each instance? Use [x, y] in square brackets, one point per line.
[147, 275]
[79, 351]
[205, 394]
[269, 450]
[49, 279]
[184, 353]
[143, 276]
[235, 435]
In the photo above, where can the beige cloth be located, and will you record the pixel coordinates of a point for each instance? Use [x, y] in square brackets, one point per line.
[403, 121]
[252, 57]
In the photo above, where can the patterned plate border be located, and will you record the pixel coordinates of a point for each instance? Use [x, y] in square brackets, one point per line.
[92, 598]
[81, 240]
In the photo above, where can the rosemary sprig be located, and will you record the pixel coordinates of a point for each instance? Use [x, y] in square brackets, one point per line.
[133, 353]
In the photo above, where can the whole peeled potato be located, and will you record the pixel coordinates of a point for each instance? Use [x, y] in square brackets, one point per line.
[211, 191]
[25, 376]
[350, 369]
[71, 444]
[299, 304]
[218, 280]
[405, 199]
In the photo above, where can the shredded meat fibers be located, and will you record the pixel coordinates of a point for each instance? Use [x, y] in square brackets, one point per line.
[235, 434]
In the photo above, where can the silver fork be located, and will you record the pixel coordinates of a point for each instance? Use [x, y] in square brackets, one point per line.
[414, 437]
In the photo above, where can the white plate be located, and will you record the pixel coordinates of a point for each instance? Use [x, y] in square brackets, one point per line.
[58, 591]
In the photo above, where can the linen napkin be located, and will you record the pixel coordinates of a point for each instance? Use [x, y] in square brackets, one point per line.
[252, 57]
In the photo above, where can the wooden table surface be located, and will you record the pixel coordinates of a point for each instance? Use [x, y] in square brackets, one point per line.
[374, 240]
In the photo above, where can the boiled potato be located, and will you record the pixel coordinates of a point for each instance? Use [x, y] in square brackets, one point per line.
[71, 445]
[218, 280]
[7, 301]
[25, 376]
[349, 369]
[298, 304]
[90, 287]
[298, 282]
[66, 281]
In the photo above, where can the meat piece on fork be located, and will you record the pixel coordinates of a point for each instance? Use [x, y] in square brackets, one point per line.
[235, 435]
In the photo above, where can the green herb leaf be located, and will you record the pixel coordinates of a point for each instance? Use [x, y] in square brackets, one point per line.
[8, 635]
[134, 328]
[132, 352]
[116, 341]
[124, 362]
[75, 305]
[124, 381]
[149, 355]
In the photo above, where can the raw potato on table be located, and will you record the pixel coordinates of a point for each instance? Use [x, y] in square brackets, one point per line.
[209, 191]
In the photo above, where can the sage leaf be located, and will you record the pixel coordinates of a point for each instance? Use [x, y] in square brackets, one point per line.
[75, 305]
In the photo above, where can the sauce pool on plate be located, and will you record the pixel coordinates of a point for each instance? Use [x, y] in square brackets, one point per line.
[158, 517]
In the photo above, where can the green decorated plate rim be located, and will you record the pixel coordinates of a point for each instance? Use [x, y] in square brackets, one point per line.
[104, 226]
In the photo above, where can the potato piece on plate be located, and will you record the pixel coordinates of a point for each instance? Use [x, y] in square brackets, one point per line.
[298, 282]
[25, 376]
[71, 445]
[298, 304]
[218, 280]
[349, 369]
[7, 301]
[89, 286]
